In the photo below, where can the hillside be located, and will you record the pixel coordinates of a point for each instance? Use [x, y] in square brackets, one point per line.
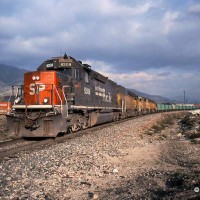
[160, 99]
[156, 98]
[10, 75]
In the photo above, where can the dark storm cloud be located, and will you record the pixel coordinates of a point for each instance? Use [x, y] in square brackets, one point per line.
[163, 74]
[133, 35]
[158, 40]
[194, 9]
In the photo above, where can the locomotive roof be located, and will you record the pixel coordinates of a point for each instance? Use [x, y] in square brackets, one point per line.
[74, 63]
[64, 59]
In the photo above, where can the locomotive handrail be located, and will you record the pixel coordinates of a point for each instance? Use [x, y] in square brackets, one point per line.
[12, 95]
[58, 95]
[65, 86]
[31, 106]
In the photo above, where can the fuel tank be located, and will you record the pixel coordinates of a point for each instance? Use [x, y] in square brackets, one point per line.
[100, 118]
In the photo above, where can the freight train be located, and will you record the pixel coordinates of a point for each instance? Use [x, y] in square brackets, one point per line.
[65, 95]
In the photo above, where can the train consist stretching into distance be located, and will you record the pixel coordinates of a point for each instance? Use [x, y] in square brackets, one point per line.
[66, 95]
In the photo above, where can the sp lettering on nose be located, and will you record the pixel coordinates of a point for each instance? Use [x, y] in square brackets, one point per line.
[33, 87]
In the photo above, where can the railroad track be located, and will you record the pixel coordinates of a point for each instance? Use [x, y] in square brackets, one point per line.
[9, 149]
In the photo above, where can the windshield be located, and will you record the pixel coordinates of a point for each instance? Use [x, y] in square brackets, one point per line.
[68, 71]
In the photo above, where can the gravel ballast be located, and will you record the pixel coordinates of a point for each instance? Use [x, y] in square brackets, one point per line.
[130, 160]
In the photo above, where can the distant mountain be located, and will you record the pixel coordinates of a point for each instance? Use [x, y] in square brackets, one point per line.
[10, 75]
[156, 98]
[2, 84]
[160, 99]
[188, 99]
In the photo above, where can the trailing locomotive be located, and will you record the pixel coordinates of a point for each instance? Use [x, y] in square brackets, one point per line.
[66, 95]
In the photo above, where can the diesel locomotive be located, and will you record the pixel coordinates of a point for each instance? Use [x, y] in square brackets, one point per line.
[65, 95]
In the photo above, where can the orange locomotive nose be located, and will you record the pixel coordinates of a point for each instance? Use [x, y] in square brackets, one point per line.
[40, 88]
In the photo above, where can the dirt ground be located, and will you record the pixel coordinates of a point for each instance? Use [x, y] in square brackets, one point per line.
[3, 128]
[167, 168]
[162, 163]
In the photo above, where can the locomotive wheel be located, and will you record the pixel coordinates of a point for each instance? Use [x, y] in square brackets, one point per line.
[75, 127]
[116, 117]
[83, 121]
[84, 125]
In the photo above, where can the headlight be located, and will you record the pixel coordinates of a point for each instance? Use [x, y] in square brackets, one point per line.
[37, 78]
[17, 100]
[45, 100]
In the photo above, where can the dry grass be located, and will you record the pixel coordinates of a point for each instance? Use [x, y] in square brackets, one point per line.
[165, 122]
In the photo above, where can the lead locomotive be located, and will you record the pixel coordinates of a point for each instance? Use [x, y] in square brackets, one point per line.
[65, 95]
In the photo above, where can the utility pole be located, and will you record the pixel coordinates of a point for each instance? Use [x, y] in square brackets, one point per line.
[184, 96]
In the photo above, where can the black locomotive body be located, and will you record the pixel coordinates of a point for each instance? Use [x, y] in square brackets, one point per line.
[79, 97]
[66, 95]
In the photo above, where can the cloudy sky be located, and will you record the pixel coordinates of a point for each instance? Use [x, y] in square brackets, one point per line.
[150, 45]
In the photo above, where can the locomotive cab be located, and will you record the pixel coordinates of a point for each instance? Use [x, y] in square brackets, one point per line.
[41, 104]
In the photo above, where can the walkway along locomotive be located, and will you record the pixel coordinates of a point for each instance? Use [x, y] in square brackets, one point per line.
[66, 95]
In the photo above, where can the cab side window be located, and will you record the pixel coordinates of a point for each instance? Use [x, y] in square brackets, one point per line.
[86, 77]
[77, 74]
